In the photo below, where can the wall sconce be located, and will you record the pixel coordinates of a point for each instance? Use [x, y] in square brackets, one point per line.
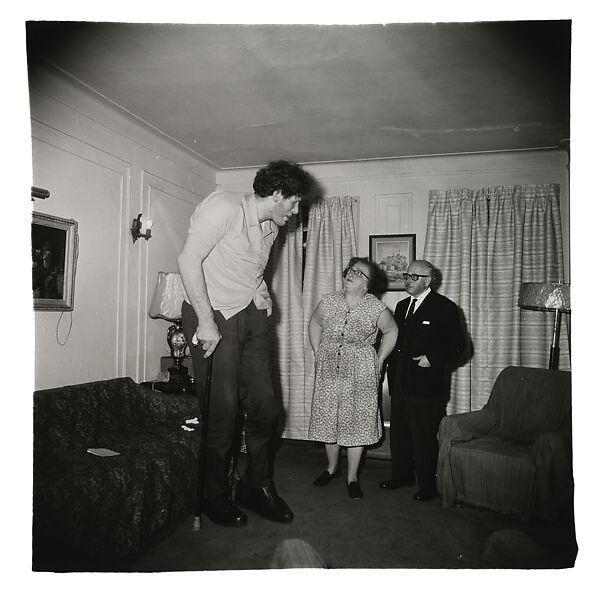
[37, 192]
[137, 226]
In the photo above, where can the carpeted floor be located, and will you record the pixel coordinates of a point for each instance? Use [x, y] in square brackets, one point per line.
[384, 530]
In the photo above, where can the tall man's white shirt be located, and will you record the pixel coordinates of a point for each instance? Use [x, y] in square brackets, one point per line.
[238, 246]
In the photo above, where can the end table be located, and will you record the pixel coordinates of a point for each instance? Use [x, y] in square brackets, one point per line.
[170, 387]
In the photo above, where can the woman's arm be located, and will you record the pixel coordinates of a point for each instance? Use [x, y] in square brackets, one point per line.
[315, 327]
[388, 328]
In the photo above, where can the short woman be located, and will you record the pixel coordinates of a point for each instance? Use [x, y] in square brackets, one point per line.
[343, 331]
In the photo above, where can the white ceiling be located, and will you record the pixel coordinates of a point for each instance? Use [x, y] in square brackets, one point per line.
[241, 95]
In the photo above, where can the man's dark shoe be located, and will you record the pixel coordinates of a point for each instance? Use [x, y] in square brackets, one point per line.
[325, 477]
[225, 514]
[395, 484]
[425, 495]
[264, 501]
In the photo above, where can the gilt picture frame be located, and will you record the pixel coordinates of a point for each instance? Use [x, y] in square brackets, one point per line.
[54, 244]
[393, 253]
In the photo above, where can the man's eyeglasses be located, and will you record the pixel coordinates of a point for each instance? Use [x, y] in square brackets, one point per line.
[412, 276]
[357, 272]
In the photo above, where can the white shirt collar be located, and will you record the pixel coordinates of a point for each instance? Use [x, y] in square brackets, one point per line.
[420, 298]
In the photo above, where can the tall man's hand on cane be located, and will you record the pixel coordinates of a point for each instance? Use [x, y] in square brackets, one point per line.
[208, 335]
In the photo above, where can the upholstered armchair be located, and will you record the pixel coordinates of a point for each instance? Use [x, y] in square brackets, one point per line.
[515, 454]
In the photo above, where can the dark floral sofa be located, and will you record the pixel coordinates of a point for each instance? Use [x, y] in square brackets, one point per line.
[100, 509]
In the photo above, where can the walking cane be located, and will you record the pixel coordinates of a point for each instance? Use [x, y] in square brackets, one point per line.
[197, 521]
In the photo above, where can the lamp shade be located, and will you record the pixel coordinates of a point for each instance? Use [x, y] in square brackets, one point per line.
[545, 296]
[168, 297]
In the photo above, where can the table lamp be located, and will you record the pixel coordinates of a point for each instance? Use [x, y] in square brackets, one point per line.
[549, 297]
[166, 304]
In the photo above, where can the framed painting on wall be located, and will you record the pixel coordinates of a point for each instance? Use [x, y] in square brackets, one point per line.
[54, 243]
[393, 254]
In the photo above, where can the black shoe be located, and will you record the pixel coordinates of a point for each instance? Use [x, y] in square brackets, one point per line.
[354, 490]
[226, 514]
[425, 495]
[395, 484]
[264, 501]
[325, 477]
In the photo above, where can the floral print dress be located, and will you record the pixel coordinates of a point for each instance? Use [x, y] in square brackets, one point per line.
[345, 408]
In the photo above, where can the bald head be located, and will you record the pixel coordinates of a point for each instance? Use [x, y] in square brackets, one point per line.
[424, 270]
[422, 266]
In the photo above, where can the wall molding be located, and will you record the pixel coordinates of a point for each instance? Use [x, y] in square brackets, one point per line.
[150, 182]
[83, 151]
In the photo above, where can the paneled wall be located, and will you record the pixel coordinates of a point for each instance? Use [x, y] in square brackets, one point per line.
[103, 168]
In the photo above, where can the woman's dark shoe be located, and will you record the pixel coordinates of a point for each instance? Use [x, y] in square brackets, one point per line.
[354, 490]
[325, 477]
[264, 501]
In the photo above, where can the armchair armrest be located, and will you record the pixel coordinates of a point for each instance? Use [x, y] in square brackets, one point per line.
[466, 426]
[555, 484]
[459, 428]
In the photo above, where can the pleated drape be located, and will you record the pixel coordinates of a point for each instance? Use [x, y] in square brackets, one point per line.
[330, 243]
[486, 243]
[284, 276]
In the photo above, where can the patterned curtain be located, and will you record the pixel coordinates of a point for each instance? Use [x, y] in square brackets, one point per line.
[486, 243]
[330, 243]
[284, 277]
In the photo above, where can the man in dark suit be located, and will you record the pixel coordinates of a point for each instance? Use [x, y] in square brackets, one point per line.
[430, 338]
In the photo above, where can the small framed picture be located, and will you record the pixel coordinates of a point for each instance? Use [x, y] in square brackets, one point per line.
[393, 254]
[54, 244]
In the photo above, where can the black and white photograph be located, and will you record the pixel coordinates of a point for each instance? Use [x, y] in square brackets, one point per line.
[301, 300]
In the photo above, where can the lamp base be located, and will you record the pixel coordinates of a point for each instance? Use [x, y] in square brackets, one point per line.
[179, 374]
[554, 352]
[177, 343]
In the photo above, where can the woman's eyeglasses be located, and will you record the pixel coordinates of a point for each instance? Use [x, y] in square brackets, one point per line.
[357, 272]
[412, 276]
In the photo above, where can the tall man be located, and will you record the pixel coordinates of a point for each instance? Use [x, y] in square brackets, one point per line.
[430, 338]
[222, 265]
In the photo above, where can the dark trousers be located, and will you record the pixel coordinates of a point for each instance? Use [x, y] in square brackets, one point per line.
[413, 441]
[241, 378]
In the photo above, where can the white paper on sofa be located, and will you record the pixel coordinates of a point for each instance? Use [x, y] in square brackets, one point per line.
[103, 452]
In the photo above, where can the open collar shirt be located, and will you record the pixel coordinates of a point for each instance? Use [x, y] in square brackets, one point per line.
[237, 247]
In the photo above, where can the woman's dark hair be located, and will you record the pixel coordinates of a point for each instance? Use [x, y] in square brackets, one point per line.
[289, 178]
[377, 280]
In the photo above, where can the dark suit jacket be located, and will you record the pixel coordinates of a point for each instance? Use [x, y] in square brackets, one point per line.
[435, 330]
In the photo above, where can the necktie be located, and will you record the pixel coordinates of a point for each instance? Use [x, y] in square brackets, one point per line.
[410, 309]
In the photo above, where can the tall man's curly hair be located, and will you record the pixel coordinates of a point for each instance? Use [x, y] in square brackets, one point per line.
[289, 178]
